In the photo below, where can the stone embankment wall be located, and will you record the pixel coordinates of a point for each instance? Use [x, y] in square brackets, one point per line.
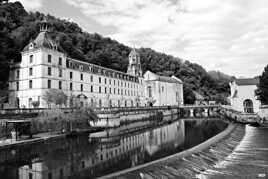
[115, 118]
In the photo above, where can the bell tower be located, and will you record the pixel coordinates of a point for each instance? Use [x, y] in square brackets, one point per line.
[134, 66]
[44, 26]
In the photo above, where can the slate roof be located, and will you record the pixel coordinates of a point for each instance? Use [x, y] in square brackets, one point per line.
[247, 81]
[172, 79]
[167, 79]
[42, 40]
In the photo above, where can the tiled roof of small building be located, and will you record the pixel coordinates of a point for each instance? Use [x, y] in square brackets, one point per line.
[247, 81]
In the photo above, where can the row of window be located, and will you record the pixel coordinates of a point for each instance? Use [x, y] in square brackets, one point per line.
[49, 73]
[106, 81]
[106, 90]
[49, 59]
[98, 70]
[110, 91]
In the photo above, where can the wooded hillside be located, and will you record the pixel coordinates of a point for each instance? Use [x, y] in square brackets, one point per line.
[18, 27]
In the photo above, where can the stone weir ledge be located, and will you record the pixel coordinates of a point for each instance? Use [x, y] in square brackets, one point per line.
[190, 163]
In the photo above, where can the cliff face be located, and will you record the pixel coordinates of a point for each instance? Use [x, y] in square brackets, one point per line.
[18, 27]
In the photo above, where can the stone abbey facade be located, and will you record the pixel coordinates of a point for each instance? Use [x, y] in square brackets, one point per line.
[45, 66]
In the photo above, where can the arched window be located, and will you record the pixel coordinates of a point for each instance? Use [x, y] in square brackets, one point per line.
[248, 106]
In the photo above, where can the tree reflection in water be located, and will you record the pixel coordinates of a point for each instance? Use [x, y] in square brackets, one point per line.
[110, 151]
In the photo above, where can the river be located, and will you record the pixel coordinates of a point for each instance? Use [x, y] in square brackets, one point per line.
[98, 154]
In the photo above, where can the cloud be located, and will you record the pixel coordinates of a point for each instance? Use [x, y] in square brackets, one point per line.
[230, 36]
[31, 4]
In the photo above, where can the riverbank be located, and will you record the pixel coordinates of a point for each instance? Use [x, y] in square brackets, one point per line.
[183, 164]
[9, 143]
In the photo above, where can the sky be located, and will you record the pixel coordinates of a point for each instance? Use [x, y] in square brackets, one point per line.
[230, 36]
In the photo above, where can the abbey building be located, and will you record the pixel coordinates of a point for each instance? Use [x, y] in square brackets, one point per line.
[45, 66]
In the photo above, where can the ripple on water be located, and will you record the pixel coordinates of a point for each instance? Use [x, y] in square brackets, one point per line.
[248, 160]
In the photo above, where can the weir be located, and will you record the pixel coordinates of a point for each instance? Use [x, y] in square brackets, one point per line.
[190, 163]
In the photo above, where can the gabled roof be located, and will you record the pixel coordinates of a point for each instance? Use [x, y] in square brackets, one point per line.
[247, 81]
[155, 77]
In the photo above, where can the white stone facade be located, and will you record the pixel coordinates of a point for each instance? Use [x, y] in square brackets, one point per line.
[162, 91]
[44, 66]
[243, 95]
[103, 88]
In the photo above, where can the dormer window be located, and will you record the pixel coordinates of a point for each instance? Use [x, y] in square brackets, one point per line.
[54, 46]
[81, 67]
[70, 64]
[31, 46]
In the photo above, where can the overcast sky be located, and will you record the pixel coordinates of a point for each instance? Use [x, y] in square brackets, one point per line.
[226, 35]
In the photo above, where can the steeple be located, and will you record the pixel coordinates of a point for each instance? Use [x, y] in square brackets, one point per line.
[134, 66]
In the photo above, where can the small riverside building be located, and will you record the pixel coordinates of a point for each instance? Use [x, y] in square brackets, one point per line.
[162, 90]
[45, 65]
[243, 95]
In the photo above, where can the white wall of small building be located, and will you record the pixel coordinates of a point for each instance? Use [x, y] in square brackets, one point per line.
[164, 93]
[244, 92]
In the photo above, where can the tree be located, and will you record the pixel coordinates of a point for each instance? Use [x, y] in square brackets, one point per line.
[188, 95]
[61, 98]
[54, 96]
[262, 90]
[18, 27]
[36, 104]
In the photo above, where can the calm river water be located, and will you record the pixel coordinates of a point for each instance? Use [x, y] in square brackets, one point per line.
[98, 154]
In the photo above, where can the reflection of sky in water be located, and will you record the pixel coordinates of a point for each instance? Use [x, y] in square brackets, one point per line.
[95, 155]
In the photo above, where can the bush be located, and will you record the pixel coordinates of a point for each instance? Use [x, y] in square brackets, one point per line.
[57, 120]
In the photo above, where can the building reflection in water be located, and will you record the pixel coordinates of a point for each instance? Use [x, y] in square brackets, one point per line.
[88, 157]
